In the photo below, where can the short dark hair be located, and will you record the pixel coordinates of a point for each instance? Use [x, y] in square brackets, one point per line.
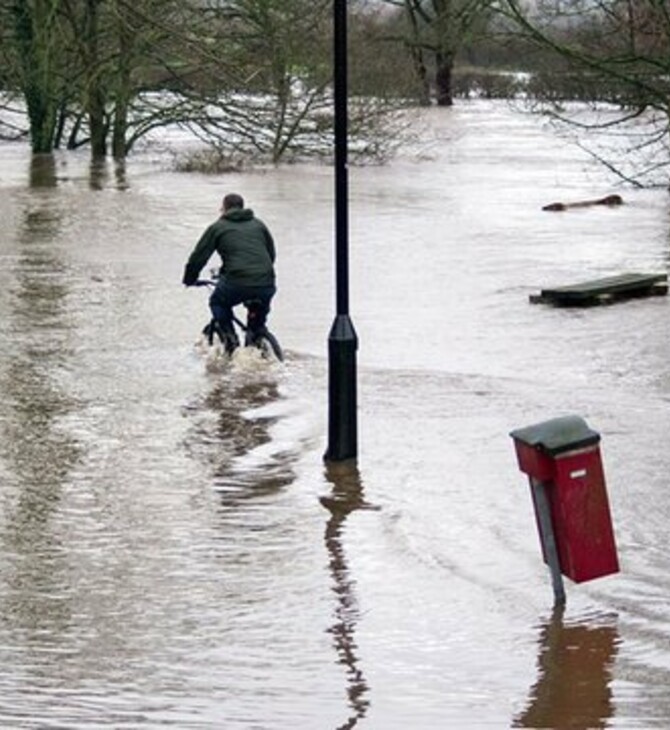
[233, 200]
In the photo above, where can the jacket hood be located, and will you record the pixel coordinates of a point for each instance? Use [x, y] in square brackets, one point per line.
[239, 214]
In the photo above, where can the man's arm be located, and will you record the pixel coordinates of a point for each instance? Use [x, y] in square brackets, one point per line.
[269, 243]
[200, 256]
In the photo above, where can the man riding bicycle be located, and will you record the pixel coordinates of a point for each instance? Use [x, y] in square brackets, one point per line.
[247, 252]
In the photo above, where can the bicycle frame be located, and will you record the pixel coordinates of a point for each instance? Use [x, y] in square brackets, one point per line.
[259, 337]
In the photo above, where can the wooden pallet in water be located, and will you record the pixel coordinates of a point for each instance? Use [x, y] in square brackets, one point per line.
[604, 291]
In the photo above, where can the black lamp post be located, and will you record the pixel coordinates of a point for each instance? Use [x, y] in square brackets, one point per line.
[342, 340]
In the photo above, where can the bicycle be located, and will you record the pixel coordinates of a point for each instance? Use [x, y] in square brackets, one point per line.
[256, 336]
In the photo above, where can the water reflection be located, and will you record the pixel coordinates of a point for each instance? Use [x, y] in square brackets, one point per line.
[121, 175]
[132, 595]
[38, 454]
[245, 406]
[347, 496]
[42, 172]
[39, 457]
[99, 173]
[575, 672]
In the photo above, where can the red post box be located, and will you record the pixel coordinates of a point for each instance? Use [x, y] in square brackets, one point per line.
[563, 456]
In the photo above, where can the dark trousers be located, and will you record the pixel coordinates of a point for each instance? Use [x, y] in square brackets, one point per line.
[226, 296]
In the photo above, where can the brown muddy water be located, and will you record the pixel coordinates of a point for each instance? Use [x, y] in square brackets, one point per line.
[173, 552]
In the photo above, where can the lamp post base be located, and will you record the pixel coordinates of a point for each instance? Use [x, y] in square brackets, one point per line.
[342, 430]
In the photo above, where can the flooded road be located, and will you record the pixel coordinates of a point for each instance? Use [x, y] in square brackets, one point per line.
[173, 552]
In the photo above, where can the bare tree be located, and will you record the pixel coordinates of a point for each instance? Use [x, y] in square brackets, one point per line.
[36, 61]
[622, 49]
[283, 107]
[436, 30]
[252, 77]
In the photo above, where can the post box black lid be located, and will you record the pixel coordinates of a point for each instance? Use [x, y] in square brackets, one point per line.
[557, 435]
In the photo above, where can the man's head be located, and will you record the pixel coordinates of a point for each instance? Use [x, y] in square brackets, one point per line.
[232, 200]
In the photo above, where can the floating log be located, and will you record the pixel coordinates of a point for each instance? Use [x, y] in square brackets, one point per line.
[604, 291]
[608, 200]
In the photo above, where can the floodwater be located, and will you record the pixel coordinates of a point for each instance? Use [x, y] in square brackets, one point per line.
[173, 551]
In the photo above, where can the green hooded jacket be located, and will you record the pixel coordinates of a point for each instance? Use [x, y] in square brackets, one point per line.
[246, 248]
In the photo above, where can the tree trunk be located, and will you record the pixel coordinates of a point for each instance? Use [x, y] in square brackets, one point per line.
[443, 89]
[42, 120]
[421, 74]
[97, 122]
[95, 94]
[60, 126]
[282, 90]
[119, 148]
[417, 54]
[124, 89]
[33, 27]
[72, 143]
